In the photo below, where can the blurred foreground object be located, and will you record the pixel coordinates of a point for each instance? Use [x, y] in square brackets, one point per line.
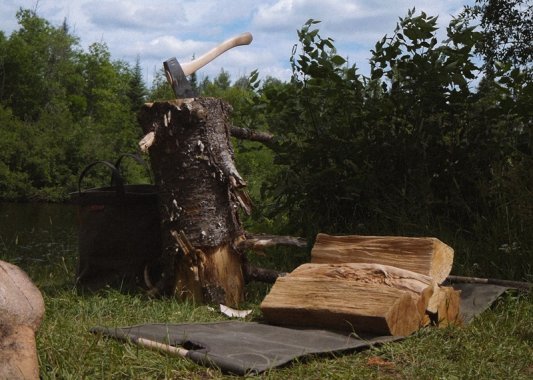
[21, 313]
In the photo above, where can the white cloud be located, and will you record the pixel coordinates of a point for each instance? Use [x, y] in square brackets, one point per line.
[159, 29]
[110, 15]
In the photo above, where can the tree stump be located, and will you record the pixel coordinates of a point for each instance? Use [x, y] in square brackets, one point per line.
[201, 191]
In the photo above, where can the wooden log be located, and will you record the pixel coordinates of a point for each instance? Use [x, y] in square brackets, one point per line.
[444, 307]
[424, 255]
[201, 192]
[353, 297]
[21, 313]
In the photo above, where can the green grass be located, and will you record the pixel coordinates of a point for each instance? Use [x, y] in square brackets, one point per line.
[497, 345]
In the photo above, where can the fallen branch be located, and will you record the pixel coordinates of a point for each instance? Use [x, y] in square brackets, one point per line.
[252, 135]
[493, 281]
[260, 241]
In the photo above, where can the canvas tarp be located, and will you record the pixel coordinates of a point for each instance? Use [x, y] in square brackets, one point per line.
[249, 347]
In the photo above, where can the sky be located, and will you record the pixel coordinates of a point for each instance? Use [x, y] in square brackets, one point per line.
[156, 30]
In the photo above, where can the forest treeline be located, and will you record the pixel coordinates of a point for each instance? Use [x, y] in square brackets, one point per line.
[422, 146]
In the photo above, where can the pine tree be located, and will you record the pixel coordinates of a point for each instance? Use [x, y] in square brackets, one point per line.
[137, 89]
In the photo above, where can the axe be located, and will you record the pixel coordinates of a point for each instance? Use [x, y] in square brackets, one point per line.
[177, 74]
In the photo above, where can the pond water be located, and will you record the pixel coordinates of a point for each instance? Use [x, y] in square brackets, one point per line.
[39, 236]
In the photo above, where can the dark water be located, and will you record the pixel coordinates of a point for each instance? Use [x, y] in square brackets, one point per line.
[38, 237]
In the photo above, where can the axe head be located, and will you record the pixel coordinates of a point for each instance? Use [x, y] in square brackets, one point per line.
[177, 79]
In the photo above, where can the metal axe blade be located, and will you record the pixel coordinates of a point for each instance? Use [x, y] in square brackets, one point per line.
[177, 79]
[177, 74]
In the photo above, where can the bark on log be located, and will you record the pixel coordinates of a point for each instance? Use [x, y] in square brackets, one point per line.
[359, 297]
[201, 191]
[21, 313]
[427, 256]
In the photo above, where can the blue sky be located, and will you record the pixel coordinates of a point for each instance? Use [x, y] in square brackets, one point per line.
[156, 30]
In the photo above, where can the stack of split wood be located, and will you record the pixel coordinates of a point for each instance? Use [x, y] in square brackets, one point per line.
[377, 284]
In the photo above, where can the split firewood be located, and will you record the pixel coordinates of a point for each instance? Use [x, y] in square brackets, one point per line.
[444, 307]
[356, 297]
[427, 256]
[21, 313]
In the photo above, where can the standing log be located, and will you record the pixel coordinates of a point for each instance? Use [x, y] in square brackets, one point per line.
[201, 191]
[354, 297]
[427, 256]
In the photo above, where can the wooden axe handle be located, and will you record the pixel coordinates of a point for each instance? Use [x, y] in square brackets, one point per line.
[241, 39]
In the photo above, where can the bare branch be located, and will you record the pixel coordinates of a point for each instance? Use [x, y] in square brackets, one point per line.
[494, 281]
[252, 135]
[260, 241]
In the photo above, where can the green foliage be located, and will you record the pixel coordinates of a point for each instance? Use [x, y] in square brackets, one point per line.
[37, 60]
[62, 109]
[410, 150]
[507, 28]
[316, 137]
[413, 149]
[160, 89]
[137, 91]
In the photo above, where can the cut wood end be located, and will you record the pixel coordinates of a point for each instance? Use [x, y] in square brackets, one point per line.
[442, 261]
[444, 307]
[404, 316]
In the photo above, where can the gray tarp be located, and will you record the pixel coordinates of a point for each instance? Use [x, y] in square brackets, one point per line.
[251, 347]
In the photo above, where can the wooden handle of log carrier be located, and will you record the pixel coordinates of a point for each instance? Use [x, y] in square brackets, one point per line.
[157, 346]
[241, 39]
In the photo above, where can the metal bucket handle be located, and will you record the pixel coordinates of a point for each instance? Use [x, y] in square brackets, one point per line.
[116, 177]
[137, 158]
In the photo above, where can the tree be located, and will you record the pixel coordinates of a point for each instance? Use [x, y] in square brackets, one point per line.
[61, 108]
[36, 60]
[137, 89]
[507, 27]
[160, 89]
